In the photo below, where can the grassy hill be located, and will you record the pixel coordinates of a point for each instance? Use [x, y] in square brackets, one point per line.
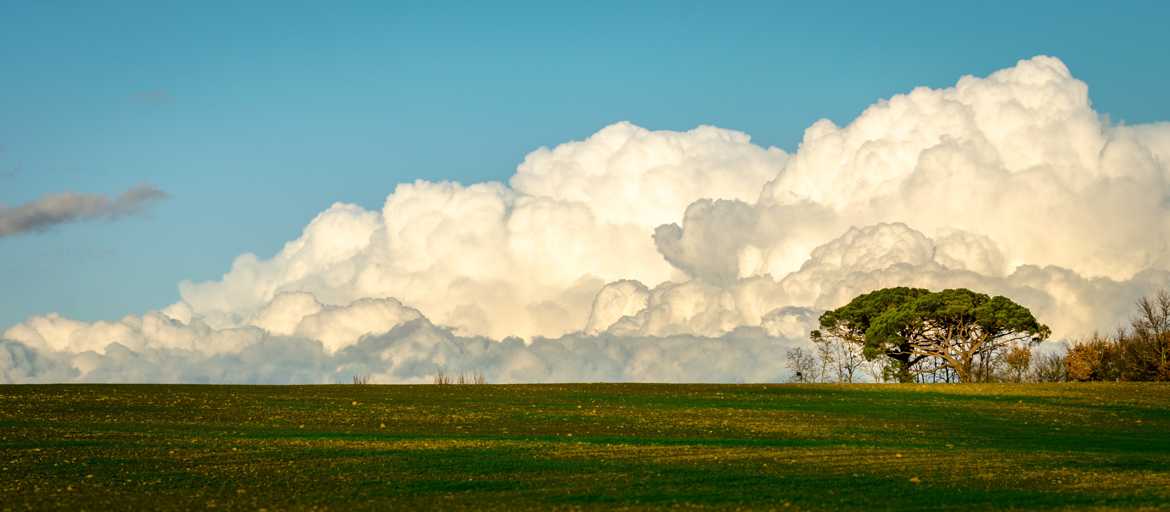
[1093, 446]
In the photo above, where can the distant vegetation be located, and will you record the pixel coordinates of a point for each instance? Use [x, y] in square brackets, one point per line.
[1138, 353]
[441, 377]
[915, 335]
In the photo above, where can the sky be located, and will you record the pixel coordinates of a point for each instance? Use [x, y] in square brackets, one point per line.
[252, 119]
[653, 170]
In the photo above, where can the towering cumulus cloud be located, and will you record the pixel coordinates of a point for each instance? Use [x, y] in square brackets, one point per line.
[493, 260]
[674, 256]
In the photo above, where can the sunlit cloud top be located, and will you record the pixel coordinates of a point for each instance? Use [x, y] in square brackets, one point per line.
[698, 255]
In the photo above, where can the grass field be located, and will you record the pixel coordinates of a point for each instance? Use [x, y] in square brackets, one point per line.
[95, 447]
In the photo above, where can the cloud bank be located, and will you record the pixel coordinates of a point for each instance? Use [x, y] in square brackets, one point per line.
[57, 209]
[410, 352]
[675, 256]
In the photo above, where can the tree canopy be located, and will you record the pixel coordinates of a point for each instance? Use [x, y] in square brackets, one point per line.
[957, 328]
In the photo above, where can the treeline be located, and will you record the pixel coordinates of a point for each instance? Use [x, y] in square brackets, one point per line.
[837, 362]
[914, 335]
[1140, 352]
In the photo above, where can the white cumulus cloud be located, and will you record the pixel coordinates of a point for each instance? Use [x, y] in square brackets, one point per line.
[494, 260]
[676, 256]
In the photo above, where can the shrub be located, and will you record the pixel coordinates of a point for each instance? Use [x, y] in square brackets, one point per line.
[1018, 359]
[441, 377]
[1050, 367]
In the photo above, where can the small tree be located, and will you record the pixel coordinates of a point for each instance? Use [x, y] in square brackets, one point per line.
[1050, 367]
[839, 358]
[1018, 360]
[878, 369]
[802, 364]
[1094, 358]
[1146, 350]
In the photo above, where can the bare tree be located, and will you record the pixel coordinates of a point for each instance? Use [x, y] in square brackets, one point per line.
[802, 364]
[839, 359]
[878, 369]
[441, 377]
[825, 358]
[1148, 348]
[1050, 367]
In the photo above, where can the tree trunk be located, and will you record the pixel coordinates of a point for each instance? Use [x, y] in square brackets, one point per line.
[902, 362]
[965, 371]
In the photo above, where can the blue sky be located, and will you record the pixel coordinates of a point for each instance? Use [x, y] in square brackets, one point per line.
[255, 117]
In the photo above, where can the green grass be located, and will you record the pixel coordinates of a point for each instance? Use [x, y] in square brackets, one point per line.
[103, 447]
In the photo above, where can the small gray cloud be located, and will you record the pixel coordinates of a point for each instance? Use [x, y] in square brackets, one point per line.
[52, 210]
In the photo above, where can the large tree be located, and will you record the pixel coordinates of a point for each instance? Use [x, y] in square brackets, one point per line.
[851, 322]
[958, 328]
